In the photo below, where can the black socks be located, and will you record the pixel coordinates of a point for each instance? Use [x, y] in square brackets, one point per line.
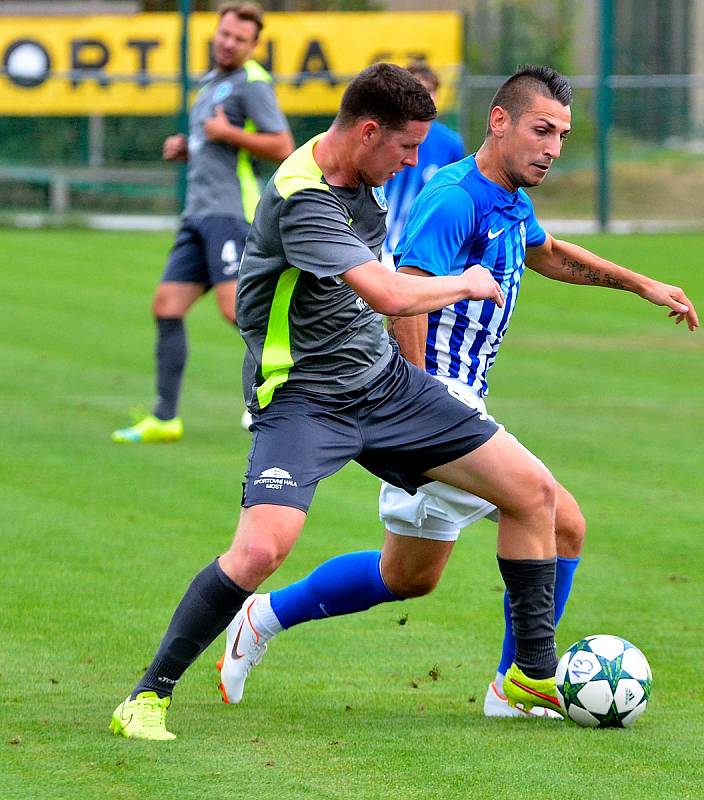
[171, 354]
[207, 608]
[531, 590]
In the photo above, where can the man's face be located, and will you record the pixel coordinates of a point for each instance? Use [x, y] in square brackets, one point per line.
[235, 40]
[531, 143]
[389, 151]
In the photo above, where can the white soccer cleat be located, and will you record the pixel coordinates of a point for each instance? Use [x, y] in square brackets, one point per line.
[244, 649]
[496, 705]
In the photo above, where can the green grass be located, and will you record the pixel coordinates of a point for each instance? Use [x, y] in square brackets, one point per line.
[99, 542]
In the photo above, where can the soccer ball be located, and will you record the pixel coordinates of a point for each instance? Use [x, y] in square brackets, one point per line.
[603, 682]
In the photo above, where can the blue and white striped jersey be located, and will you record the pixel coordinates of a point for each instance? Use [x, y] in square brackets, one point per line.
[459, 219]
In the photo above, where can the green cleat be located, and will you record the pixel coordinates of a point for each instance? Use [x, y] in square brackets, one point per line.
[150, 430]
[530, 692]
[142, 718]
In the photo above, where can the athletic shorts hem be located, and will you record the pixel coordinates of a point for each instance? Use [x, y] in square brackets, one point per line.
[255, 502]
[466, 449]
[402, 528]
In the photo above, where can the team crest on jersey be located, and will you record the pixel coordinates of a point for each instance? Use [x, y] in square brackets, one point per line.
[221, 92]
[380, 197]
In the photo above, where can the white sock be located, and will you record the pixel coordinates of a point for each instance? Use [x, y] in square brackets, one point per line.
[499, 681]
[263, 618]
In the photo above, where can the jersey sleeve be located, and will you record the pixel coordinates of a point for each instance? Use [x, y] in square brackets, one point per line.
[440, 221]
[535, 233]
[317, 237]
[259, 102]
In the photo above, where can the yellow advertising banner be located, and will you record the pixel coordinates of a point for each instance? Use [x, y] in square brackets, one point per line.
[130, 64]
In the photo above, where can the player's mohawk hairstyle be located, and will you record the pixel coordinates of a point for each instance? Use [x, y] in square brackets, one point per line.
[556, 84]
[516, 92]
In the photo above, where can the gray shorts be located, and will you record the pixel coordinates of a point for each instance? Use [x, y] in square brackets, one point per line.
[207, 250]
[398, 427]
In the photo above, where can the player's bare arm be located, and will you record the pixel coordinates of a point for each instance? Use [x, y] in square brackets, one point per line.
[175, 148]
[570, 263]
[273, 146]
[397, 294]
[411, 332]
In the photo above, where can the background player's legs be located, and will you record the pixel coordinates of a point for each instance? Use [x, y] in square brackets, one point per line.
[172, 301]
[570, 529]
[226, 296]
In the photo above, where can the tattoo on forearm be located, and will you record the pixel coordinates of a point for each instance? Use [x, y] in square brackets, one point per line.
[595, 276]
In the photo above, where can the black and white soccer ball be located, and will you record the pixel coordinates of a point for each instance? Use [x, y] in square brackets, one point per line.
[603, 682]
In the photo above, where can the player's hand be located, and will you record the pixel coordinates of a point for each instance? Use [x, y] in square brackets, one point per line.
[682, 308]
[217, 128]
[482, 286]
[175, 148]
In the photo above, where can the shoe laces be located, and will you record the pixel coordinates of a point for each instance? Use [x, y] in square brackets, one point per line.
[255, 656]
[155, 708]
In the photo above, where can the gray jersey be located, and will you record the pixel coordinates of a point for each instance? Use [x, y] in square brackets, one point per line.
[303, 325]
[221, 178]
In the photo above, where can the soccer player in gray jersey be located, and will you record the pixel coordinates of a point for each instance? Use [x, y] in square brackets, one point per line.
[328, 387]
[235, 116]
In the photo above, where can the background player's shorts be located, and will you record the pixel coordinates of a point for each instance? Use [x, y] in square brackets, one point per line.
[437, 511]
[207, 250]
[398, 426]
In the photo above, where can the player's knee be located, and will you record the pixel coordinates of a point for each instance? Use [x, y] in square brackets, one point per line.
[162, 304]
[253, 561]
[537, 496]
[570, 529]
[405, 583]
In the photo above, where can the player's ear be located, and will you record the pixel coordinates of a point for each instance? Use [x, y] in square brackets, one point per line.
[498, 121]
[369, 130]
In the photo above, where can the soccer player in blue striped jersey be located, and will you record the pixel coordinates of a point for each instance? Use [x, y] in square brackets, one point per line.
[473, 212]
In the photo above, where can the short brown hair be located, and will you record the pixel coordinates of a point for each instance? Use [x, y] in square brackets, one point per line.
[249, 12]
[388, 94]
[427, 76]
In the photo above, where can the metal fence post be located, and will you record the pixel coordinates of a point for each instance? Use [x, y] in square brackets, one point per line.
[185, 6]
[603, 112]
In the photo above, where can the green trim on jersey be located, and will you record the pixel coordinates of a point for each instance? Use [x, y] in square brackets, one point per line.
[256, 72]
[276, 354]
[249, 185]
[300, 172]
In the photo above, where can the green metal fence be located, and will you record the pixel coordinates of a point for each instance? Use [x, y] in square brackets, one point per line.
[636, 155]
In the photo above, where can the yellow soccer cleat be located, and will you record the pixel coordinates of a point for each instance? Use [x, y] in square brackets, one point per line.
[150, 430]
[530, 692]
[142, 718]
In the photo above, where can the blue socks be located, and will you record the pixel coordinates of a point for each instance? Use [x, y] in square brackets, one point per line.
[352, 582]
[343, 585]
[563, 585]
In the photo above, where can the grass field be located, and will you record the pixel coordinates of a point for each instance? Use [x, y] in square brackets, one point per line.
[100, 542]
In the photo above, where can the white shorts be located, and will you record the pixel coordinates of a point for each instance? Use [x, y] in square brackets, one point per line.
[437, 511]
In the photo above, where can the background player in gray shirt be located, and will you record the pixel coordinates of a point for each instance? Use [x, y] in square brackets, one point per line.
[235, 116]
